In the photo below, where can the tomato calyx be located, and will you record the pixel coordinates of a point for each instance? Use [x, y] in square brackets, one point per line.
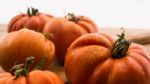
[32, 11]
[49, 36]
[21, 69]
[73, 17]
[120, 47]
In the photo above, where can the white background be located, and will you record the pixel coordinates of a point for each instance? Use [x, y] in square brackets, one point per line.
[106, 13]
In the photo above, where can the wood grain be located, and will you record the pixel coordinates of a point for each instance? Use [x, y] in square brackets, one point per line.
[143, 38]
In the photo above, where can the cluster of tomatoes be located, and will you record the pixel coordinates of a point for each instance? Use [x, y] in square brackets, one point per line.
[89, 57]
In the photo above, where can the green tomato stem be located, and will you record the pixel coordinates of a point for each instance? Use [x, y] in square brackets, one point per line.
[120, 47]
[72, 17]
[32, 11]
[20, 70]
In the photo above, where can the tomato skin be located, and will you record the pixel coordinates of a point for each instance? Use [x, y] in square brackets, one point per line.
[19, 45]
[89, 61]
[66, 31]
[34, 21]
